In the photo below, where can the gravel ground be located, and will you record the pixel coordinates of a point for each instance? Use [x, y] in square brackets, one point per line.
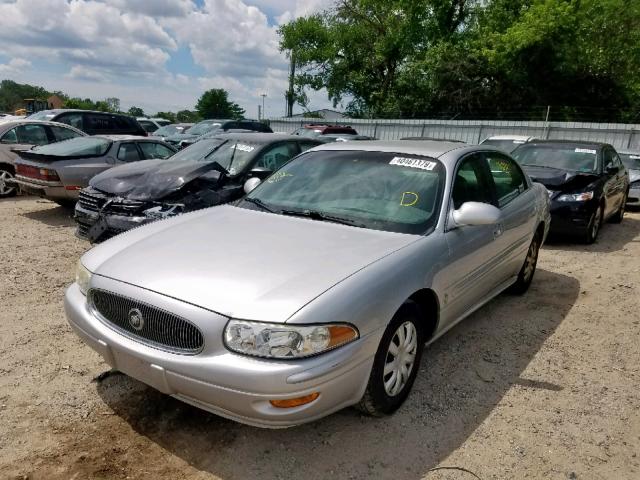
[540, 386]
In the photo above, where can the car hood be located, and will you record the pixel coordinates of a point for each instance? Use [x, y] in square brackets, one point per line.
[557, 179]
[149, 179]
[242, 263]
[634, 175]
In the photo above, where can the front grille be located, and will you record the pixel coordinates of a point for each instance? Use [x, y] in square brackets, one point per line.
[158, 328]
[95, 201]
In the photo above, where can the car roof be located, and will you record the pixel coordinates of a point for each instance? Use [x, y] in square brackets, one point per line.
[577, 143]
[118, 138]
[260, 137]
[23, 121]
[510, 137]
[428, 148]
[63, 110]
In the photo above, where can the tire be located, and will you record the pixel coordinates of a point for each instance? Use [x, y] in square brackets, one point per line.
[525, 276]
[619, 215]
[384, 395]
[594, 226]
[7, 190]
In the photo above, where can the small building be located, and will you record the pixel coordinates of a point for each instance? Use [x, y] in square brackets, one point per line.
[55, 101]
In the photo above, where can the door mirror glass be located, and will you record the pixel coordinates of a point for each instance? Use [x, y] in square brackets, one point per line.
[476, 213]
[251, 184]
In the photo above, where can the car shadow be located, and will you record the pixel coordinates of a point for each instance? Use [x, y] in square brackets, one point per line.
[612, 237]
[52, 214]
[463, 376]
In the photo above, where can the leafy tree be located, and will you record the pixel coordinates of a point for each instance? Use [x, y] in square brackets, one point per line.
[12, 94]
[215, 103]
[187, 116]
[135, 112]
[167, 116]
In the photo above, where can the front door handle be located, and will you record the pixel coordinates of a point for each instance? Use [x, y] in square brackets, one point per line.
[498, 230]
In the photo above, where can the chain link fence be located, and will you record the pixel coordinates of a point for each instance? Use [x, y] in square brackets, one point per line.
[621, 136]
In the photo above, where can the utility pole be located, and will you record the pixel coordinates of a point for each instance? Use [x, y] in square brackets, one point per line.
[290, 96]
[263, 95]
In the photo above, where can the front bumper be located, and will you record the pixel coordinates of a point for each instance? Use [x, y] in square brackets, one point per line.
[571, 218]
[227, 384]
[115, 224]
[50, 190]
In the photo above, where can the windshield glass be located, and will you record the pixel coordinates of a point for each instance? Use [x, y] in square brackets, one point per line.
[42, 115]
[168, 130]
[198, 152]
[578, 159]
[202, 128]
[630, 160]
[89, 146]
[505, 145]
[378, 190]
[234, 155]
[308, 132]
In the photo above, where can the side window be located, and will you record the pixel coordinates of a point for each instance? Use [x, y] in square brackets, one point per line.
[616, 160]
[32, 134]
[277, 156]
[99, 123]
[148, 126]
[10, 137]
[155, 150]
[74, 119]
[61, 133]
[607, 158]
[304, 146]
[507, 177]
[128, 152]
[470, 184]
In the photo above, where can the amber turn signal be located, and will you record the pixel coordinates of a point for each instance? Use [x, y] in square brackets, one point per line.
[294, 402]
[341, 335]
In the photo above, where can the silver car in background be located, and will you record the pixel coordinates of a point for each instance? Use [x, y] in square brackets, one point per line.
[21, 135]
[631, 161]
[318, 290]
[60, 170]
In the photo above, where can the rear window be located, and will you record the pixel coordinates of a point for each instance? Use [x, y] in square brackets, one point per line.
[504, 145]
[42, 115]
[148, 126]
[80, 146]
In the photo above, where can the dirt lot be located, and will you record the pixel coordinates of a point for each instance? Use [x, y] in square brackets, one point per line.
[542, 386]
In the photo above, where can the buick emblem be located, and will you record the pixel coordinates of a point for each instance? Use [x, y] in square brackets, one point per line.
[136, 320]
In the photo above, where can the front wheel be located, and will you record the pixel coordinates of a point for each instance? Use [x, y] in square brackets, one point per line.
[396, 363]
[7, 187]
[594, 226]
[525, 277]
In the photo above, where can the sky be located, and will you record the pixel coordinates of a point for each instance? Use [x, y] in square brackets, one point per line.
[160, 55]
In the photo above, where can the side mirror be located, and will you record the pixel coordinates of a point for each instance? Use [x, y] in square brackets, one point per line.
[612, 170]
[260, 172]
[251, 184]
[476, 213]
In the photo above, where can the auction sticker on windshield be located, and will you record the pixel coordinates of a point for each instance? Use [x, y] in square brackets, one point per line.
[585, 150]
[413, 162]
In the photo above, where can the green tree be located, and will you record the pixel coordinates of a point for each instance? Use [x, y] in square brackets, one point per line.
[215, 103]
[135, 112]
[12, 94]
[167, 116]
[187, 116]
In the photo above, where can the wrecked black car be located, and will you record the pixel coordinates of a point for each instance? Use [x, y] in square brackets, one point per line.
[208, 173]
[586, 181]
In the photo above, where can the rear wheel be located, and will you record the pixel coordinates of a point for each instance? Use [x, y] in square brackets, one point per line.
[396, 363]
[7, 188]
[619, 216]
[525, 277]
[594, 226]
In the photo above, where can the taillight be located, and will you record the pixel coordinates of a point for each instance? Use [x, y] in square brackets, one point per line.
[37, 173]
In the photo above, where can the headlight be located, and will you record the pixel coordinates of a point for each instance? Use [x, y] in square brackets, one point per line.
[285, 341]
[575, 197]
[83, 277]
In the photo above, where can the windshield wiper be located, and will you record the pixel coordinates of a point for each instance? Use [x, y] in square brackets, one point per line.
[316, 215]
[260, 203]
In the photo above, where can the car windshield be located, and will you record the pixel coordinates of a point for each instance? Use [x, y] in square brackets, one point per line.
[505, 145]
[198, 152]
[631, 160]
[168, 130]
[376, 190]
[234, 155]
[202, 128]
[309, 132]
[578, 159]
[79, 146]
[42, 115]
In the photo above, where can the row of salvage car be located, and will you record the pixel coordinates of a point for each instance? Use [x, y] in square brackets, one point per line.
[324, 269]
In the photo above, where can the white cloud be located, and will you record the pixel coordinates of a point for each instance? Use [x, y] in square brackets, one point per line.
[14, 65]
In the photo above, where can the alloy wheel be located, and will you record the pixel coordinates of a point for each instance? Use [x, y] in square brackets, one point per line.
[5, 188]
[531, 260]
[401, 355]
[595, 224]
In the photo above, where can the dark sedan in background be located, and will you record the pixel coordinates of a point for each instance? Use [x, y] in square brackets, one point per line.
[210, 172]
[586, 181]
[21, 135]
[93, 122]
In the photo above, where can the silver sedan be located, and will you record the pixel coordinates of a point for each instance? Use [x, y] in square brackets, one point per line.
[320, 288]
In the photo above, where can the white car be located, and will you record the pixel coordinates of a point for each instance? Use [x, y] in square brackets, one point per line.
[152, 124]
[508, 143]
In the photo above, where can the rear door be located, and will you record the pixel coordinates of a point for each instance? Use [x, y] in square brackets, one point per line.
[615, 183]
[516, 200]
